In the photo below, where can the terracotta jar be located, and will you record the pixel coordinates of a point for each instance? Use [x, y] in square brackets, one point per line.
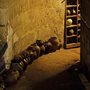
[48, 47]
[24, 54]
[11, 76]
[26, 61]
[40, 43]
[55, 43]
[71, 31]
[32, 52]
[18, 66]
[74, 11]
[68, 12]
[17, 59]
[69, 22]
[37, 49]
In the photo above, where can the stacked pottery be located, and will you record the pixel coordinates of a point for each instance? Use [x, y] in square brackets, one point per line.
[11, 76]
[71, 31]
[74, 12]
[32, 53]
[40, 43]
[24, 54]
[68, 12]
[55, 43]
[37, 49]
[22, 60]
[26, 57]
[48, 47]
[18, 66]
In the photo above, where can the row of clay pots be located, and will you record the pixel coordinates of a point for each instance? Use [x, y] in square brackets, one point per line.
[21, 61]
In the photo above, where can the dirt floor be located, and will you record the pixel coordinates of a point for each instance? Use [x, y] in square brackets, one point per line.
[50, 72]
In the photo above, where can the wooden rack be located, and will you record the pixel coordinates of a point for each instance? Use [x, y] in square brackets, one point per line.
[72, 24]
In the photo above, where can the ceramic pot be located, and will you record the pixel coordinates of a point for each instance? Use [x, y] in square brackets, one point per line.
[69, 22]
[55, 43]
[48, 47]
[40, 43]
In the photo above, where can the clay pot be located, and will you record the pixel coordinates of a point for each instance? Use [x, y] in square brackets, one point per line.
[33, 55]
[42, 50]
[68, 12]
[69, 22]
[32, 52]
[17, 66]
[71, 31]
[37, 49]
[30, 48]
[26, 61]
[17, 59]
[55, 43]
[11, 77]
[29, 60]
[40, 43]
[24, 54]
[59, 46]
[53, 40]
[74, 11]
[21, 64]
[48, 47]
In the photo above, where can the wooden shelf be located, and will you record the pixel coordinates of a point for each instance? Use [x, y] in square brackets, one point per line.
[79, 19]
[71, 36]
[78, 5]
[69, 6]
[78, 10]
[72, 41]
[70, 16]
[71, 26]
[73, 45]
[79, 29]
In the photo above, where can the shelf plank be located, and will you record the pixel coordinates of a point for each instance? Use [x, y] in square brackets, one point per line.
[78, 5]
[72, 45]
[71, 6]
[79, 19]
[79, 29]
[71, 36]
[69, 16]
[71, 26]
[78, 10]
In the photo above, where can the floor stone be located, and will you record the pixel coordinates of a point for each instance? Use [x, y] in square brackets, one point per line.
[49, 70]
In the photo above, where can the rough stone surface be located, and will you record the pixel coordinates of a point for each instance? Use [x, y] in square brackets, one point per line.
[47, 67]
[31, 20]
[9, 52]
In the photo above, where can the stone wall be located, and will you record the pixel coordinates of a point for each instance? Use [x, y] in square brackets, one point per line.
[30, 20]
